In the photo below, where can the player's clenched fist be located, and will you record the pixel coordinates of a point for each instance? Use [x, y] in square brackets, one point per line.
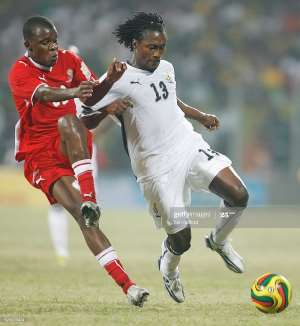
[115, 71]
[210, 121]
[85, 89]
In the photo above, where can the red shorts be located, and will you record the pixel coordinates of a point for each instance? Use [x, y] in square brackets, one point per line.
[44, 167]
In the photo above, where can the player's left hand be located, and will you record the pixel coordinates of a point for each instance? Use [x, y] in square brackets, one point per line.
[115, 71]
[210, 121]
[119, 106]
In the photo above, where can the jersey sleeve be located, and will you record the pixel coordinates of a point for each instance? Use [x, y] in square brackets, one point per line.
[81, 71]
[22, 82]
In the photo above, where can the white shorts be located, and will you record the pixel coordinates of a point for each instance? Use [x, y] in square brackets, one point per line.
[193, 172]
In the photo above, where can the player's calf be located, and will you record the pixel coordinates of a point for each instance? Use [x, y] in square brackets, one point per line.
[109, 260]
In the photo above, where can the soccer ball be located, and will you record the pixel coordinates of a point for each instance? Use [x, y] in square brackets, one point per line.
[271, 293]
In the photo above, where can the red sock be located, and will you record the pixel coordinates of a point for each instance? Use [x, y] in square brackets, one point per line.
[83, 171]
[116, 271]
[109, 260]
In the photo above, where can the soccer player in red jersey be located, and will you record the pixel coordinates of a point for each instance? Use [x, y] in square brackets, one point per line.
[54, 144]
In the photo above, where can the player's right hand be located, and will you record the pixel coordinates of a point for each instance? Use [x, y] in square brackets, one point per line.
[85, 89]
[119, 106]
[115, 71]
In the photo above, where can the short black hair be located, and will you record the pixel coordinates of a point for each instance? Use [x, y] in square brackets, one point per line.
[134, 27]
[33, 22]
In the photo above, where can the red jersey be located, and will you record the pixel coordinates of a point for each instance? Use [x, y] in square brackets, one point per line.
[38, 121]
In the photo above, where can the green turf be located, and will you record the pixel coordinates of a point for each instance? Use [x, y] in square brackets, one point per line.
[34, 290]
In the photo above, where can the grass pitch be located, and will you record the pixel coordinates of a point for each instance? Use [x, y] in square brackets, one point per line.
[35, 290]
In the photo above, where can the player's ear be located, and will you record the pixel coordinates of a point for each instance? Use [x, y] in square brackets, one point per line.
[27, 45]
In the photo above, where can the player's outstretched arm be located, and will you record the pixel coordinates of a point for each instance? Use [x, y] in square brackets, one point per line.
[56, 94]
[209, 121]
[117, 107]
[114, 72]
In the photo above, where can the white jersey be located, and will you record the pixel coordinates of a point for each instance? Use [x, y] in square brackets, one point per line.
[155, 129]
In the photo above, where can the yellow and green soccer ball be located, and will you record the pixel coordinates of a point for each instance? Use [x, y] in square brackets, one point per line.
[271, 293]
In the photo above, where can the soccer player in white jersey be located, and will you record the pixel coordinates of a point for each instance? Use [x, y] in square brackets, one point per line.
[168, 158]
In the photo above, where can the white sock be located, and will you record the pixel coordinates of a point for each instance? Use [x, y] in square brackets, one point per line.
[229, 218]
[94, 161]
[169, 263]
[82, 166]
[58, 227]
[106, 256]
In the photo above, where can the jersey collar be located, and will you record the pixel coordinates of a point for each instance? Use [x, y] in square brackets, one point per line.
[145, 72]
[37, 64]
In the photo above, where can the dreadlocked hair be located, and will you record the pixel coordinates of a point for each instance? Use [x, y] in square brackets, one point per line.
[134, 27]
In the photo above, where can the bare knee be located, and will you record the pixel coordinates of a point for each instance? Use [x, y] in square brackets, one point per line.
[239, 196]
[180, 242]
[74, 138]
[69, 126]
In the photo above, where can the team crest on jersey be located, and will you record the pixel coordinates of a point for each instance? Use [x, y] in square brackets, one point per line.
[169, 79]
[85, 70]
[70, 75]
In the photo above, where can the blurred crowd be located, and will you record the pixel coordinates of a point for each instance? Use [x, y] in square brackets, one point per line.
[237, 59]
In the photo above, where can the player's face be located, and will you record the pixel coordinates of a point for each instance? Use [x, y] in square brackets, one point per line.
[149, 51]
[43, 48]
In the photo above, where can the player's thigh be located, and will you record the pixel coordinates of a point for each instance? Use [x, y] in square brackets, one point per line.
[43, 168]
[166, 197]
[205, 166]
[66, 192]
[61, 149]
